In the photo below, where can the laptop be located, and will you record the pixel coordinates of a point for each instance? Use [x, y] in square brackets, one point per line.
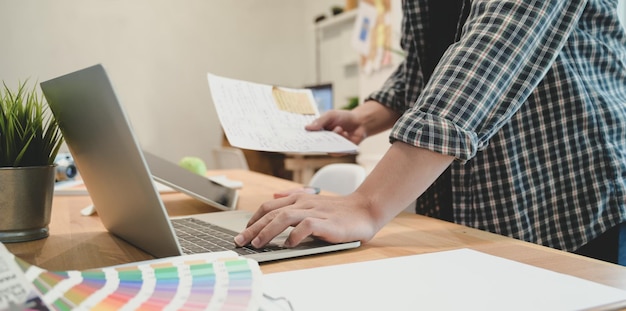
[207, 190]
[119, 178]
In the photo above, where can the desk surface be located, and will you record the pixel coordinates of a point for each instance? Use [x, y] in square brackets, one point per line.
[81, 242]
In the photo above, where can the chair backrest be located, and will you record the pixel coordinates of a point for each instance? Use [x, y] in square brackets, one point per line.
[340, 178]
[229, 158]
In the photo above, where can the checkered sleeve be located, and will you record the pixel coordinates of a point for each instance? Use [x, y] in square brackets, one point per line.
[505, 49]
[392, 94]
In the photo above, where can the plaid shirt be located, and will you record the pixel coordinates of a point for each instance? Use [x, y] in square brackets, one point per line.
[531, 100]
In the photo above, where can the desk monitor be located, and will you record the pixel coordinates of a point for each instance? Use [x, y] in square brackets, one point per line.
[323, 94]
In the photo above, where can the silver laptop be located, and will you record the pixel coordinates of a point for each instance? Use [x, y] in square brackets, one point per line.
[117, 175]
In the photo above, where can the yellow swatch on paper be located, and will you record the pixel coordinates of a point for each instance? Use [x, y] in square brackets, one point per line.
[290, 101]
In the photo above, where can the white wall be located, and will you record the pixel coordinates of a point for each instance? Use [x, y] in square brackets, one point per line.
[157, 53]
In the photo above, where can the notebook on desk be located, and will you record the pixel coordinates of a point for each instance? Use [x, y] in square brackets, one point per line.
[117, 174]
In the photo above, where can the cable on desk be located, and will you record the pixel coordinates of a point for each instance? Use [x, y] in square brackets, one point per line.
[279, 299]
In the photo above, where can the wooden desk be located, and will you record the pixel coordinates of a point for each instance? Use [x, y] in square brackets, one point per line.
[79, 242]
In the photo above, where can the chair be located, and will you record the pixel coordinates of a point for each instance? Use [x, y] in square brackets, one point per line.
[229, 158]
[339, 178]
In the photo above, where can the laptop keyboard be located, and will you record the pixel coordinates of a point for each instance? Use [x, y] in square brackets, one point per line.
[197, 236]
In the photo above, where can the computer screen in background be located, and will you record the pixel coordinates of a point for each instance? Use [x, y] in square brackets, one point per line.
[323, 94]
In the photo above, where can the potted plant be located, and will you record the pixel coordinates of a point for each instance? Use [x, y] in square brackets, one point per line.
[29, 142]
[352, 103]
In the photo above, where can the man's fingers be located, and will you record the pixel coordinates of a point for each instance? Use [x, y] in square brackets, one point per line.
[251, 233]
[270, 206]
[295, 210]
[307, 227]
[314, 126]
[319, 124]
[269, 226]
[264, 225]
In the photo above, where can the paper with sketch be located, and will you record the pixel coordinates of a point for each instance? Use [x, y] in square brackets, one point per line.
[269, 118]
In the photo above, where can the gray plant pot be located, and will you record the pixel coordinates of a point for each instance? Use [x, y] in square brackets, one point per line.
[25, 202]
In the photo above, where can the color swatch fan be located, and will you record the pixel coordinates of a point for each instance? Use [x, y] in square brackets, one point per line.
[216, 281]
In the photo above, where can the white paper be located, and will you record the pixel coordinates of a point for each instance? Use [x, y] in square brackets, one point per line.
[452, 280]
[251, 120]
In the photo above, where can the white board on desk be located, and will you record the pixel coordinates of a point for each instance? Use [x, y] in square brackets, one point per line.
[451, 280]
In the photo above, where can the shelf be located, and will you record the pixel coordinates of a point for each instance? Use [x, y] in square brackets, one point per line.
[332, 21]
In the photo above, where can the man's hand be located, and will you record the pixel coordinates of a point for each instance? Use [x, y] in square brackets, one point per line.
[342, 122]
[403, 174]
[357, 124]
[332, 219]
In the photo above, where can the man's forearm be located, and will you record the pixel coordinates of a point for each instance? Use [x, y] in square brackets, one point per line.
[402, 175]
[375, 117]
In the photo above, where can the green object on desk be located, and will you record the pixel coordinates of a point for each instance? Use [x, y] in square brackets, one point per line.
[193, 164]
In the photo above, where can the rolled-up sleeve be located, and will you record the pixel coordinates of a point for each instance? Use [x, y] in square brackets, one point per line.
[505, 49]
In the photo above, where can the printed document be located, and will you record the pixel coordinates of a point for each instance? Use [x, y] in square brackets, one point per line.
[270, 118]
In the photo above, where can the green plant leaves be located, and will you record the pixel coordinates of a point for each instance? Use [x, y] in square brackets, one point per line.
[29, 134]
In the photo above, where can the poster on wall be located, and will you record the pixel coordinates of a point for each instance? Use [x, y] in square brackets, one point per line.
[372, 34]
[363, 27]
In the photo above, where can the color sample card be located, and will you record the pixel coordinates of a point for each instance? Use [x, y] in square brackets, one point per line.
[217, 281]
[296, 101]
